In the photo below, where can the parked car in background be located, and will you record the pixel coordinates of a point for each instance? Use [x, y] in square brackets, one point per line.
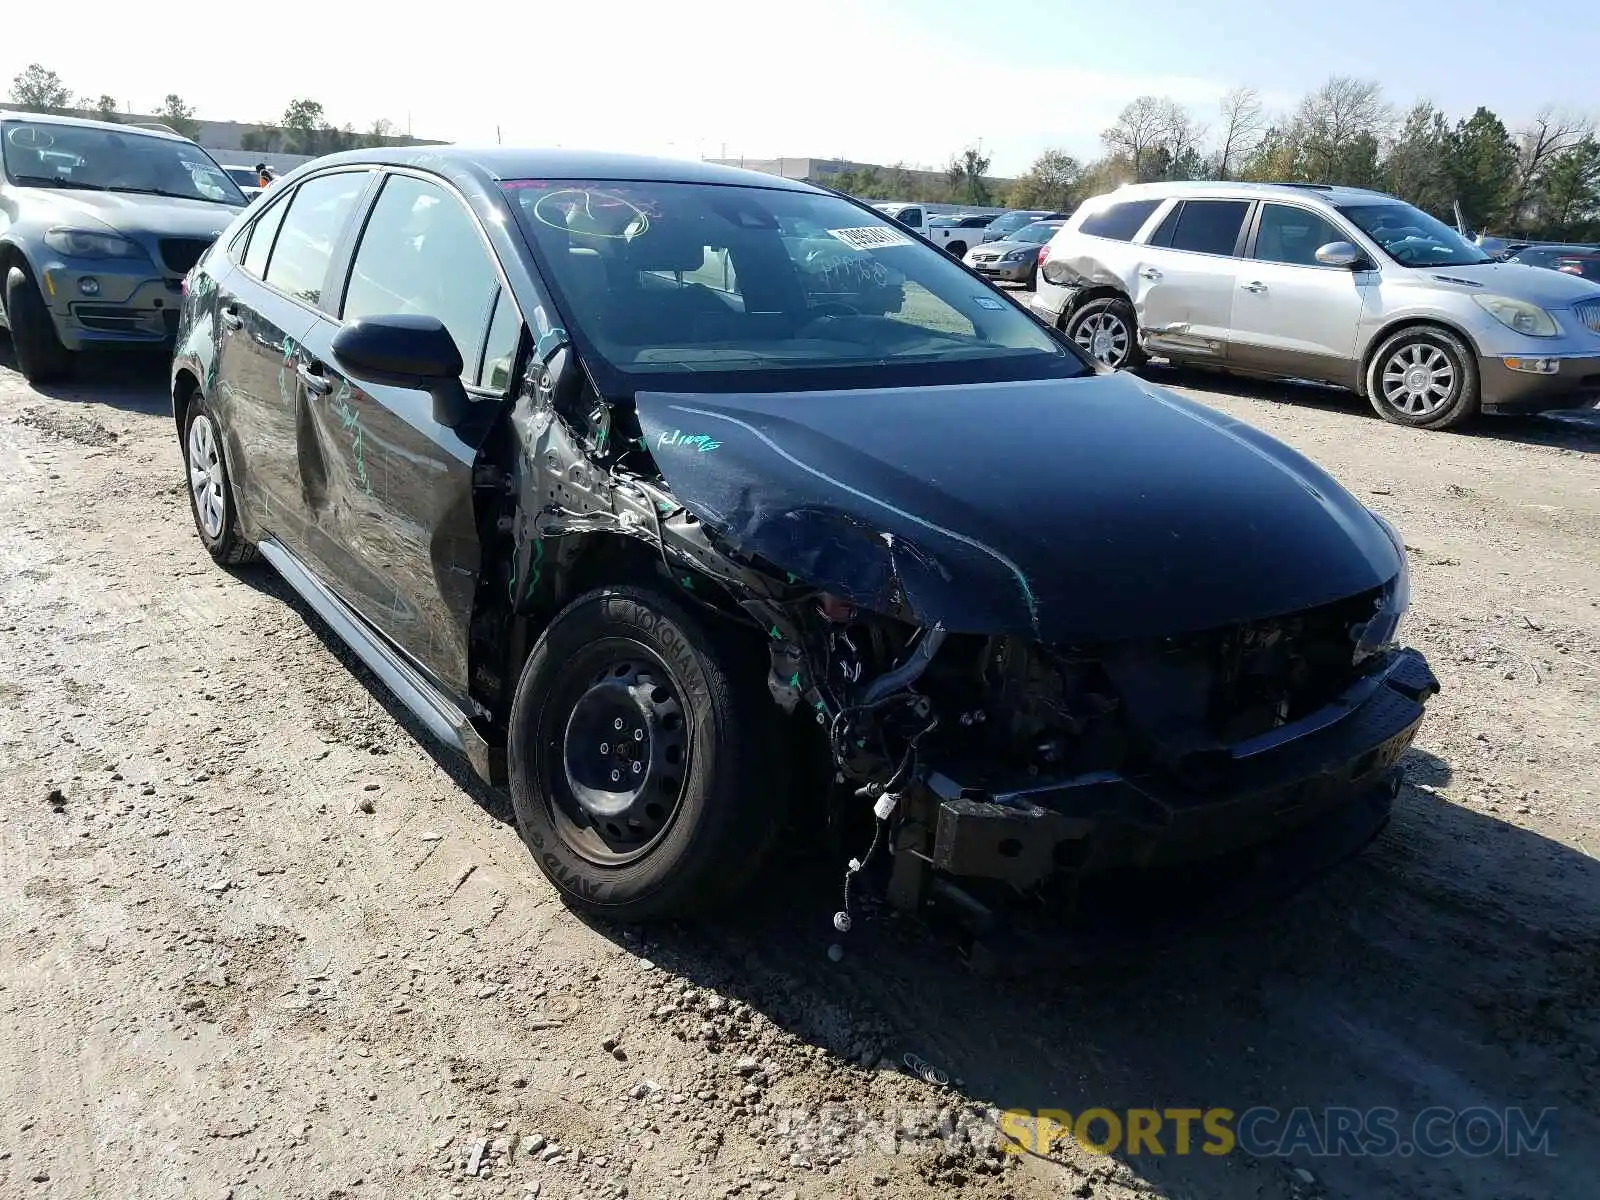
[1580, 260]
[624, 501]
[1009, 223]
[956, 232]
[1015, 258]
[99, 223]
[247, 179]
[1333, 284]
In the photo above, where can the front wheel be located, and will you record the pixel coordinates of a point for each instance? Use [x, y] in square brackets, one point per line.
[641, 758]
[40, 355]
[1107, 331]
[1424, 378]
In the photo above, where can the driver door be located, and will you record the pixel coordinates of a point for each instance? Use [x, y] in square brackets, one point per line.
[397, 484]
[1293, 316]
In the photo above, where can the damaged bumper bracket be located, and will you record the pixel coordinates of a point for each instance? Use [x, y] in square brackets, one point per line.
[1020, 835]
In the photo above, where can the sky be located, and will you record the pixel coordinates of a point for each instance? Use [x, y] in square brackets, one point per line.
[875, 81]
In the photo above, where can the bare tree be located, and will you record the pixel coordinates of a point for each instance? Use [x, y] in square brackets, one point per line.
[1550, 135]
[1244, 122]
[1340, 127]
[1181, 137]
[1140, 128]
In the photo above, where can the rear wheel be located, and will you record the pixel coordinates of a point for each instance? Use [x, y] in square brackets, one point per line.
[40, 355]
[1424, 378]
[957, 249]
[641, 758]
[1106, 330]
[210, 490]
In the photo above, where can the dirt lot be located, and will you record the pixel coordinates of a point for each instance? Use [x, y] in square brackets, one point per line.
[256, 940]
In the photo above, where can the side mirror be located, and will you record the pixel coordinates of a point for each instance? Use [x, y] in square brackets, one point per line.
[1341, 254]
[408, 351]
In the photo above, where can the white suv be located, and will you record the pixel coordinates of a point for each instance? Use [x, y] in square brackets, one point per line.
[1338, 285]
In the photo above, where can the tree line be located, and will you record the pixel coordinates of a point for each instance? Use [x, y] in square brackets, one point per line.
[1538, 180]
[303, 128]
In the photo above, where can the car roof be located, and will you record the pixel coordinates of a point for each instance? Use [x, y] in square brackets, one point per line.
[86, 123]
[1330, 193]
[490, 165]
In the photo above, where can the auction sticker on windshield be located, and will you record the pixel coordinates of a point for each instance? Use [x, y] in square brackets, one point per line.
[870, 237]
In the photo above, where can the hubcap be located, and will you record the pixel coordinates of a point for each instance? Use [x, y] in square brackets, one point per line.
[205, 475]
[625, 753]
[1419, 379]
[1105, 337]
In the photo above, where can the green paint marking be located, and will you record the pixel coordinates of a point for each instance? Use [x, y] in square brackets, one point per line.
[687, 583]
[350, 418]
[776, 635]
[794, 680]
[702, 442]
[535, 568]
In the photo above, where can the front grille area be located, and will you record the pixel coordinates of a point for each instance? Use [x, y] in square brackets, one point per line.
[1589, 313]
[179, 254]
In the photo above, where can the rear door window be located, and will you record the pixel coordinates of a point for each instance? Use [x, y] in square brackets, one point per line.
[1210, 226]
[317, 214]
[1120, 222]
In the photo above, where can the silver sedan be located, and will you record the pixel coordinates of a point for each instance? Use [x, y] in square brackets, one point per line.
[1014, 259]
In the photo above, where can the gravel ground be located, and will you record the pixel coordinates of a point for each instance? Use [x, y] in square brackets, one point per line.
[258, 940]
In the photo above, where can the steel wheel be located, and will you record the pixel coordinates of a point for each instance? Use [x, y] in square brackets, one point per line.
[1419, 379]
[624, 755]
[205, 476]
[1104, 336]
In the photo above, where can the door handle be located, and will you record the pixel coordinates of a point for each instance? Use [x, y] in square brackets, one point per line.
[316, 382]
[1255, 285]
[231, 318]
[1149, 273]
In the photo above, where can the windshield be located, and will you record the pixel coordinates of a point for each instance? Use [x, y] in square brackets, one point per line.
[1411, 237]
[108, 160]
[729, 283]
[1038, 233]
[1012, 221]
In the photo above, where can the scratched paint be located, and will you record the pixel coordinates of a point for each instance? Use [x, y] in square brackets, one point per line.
[1024, 587]
[350, 421]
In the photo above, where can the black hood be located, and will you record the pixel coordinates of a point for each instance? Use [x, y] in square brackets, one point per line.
[1067, 510]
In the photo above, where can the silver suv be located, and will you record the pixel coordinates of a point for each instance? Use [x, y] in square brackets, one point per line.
[1333, 284]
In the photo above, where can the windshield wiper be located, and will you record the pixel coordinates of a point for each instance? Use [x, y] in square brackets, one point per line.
[55, 182]
[144, 191]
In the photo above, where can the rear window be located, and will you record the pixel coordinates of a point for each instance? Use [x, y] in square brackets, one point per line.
[1120, 222]
[1585, 266]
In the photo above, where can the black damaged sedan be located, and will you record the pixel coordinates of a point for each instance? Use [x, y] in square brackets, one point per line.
[655, 487]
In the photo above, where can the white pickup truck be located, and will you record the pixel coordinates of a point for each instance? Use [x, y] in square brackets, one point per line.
[955, 231]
